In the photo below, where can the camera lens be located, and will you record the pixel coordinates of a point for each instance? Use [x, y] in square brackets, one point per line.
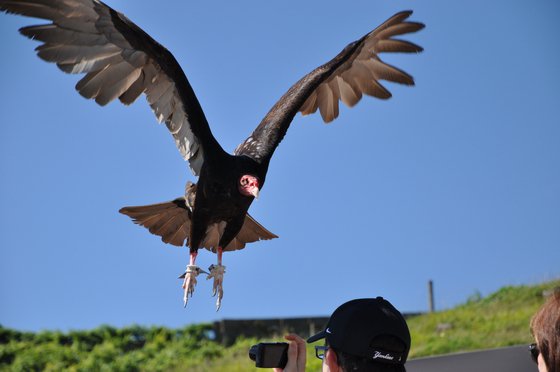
[253, 352]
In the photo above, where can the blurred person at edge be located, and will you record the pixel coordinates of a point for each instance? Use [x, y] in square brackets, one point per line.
[367, 335]
[545, 327]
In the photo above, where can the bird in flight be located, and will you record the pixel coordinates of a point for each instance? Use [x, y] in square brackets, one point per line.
[121, 61]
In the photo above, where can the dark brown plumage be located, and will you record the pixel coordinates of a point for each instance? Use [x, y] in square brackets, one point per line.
[172, 221]
[122, 62]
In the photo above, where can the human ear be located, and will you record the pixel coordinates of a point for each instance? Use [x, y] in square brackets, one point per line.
[331, 360]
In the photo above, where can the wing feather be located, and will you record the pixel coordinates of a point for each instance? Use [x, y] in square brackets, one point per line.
[328, 105]
[120, 61]
[134, 91]
[395, 45]
[310, 105]
[348, 94]
[72, 54]
[54, 34]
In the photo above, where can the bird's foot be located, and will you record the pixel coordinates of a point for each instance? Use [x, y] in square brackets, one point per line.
[217, 272]
[189, 281]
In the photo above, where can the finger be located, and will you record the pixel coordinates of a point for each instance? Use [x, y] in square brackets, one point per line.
[292, 365]
[302, 353]
[301, 350]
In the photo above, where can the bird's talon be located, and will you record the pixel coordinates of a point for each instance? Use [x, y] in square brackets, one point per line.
[217, 273]
[189, 282]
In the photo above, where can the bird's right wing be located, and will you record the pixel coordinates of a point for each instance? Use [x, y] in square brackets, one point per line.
[121, 61]
[355, 71]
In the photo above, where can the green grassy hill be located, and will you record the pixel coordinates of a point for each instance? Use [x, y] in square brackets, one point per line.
[501, 319]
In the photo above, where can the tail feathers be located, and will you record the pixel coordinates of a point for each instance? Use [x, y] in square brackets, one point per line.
[251, 231]
[172, 221]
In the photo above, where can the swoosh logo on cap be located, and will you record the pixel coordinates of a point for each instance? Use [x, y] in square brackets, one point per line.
[328, 330]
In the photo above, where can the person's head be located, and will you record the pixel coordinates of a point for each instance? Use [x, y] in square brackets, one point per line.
[365, 335]
[545, 327]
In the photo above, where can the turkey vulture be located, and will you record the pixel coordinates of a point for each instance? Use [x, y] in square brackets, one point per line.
[121, 61]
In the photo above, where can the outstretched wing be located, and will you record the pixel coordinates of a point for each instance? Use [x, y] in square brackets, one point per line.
[355, 71]
[120, 61]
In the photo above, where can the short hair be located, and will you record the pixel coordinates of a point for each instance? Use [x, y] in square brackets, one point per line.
[352, 363]
[545, 327]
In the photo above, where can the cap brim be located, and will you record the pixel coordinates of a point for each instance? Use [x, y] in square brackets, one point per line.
[317, 337]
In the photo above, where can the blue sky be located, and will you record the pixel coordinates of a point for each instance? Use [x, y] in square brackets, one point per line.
[454, 180]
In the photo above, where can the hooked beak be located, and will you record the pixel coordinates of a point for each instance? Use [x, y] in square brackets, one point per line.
[255, 192]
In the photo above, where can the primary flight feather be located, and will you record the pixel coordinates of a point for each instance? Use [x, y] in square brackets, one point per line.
[121, 61]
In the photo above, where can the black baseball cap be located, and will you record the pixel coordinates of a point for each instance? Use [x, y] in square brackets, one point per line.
[355, 326]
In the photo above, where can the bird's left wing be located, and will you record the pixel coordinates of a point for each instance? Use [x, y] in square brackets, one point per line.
[120, 61]
[355, 71]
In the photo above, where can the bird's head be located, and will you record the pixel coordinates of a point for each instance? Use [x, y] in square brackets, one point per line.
[249, 185]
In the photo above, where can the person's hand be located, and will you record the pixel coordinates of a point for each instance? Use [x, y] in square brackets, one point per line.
[297, 355]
